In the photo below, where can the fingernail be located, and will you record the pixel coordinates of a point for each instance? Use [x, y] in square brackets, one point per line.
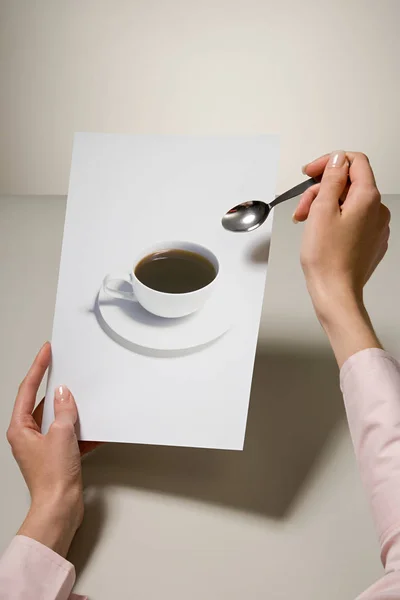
[304, 169]
[44, 346]
[337, 159]
[295, 221]
[62, 394]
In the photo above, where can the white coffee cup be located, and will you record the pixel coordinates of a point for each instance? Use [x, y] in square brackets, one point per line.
[164, 304]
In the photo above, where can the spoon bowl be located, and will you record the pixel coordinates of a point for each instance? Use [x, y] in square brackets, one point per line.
[247, 216]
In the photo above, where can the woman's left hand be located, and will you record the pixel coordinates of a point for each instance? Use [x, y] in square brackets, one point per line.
[51, 463]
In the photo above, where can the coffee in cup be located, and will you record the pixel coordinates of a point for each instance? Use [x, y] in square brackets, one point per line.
[170, 280]
[175, 271]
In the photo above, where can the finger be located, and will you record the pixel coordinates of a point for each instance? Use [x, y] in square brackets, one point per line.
[38, 414]
[65, 410]
[303, 208]
[334, 180]
[26, 396]
[316, 167]
[384, 216]
[360, 168]
[304, 205]
[343, 197]
[65, 417]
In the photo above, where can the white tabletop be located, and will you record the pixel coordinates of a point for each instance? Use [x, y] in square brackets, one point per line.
[325, 75]
[286, 518]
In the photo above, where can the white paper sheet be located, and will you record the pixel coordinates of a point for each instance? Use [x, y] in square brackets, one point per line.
[127, 193]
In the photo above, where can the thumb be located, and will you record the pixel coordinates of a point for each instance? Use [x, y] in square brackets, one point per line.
[65, 410]
[334, 179]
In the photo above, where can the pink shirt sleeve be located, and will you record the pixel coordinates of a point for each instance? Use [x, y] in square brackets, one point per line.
[370, 382]
[31, 571]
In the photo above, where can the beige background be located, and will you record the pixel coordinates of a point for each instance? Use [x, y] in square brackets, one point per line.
[323, 74]
[284, 519]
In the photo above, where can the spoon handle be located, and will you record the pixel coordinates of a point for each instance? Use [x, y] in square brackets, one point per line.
[295, 191]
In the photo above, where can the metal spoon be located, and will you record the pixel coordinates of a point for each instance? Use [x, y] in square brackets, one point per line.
[251, 215]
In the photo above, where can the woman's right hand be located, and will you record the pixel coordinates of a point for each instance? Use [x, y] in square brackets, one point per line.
[345, 237]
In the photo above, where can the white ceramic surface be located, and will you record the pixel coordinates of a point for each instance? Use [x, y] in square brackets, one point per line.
[135, 325]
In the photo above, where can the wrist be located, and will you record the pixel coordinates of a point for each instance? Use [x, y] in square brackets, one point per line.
[54, 522]
[345, 320]
[334, 306]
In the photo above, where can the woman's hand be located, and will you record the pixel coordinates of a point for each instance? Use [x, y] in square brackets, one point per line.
[345, 238]
[51, 463]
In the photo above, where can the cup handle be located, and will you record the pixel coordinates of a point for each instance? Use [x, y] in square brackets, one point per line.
[109, 288]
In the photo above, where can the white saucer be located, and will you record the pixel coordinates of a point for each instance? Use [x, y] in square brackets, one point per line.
[136, 326]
